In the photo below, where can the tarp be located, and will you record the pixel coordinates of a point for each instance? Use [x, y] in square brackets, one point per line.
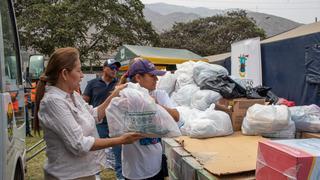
[158, 56]
[291, 64]
[285, 68]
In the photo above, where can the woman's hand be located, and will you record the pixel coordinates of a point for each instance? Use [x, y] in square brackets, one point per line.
[130, 137]
[123, 78]
[117, 89]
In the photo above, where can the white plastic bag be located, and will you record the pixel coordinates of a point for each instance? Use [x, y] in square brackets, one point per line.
[184, 95]
[205, 124]
[185, 68]
[136, 111]
[184, 74]
[202, 71]
[265, 119]
[202, 99]
[183, 80]
[306, 118]
[167, 82]
[288, 132]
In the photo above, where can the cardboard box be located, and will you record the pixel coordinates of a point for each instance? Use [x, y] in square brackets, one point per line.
[189, 168]
[171, 175]
[237, 108]
[224, 155]
[175, 163]
[202, 174]
[289, 159]
[167, 145]
[305, 135]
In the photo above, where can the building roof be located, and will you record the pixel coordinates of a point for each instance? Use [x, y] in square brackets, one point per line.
[296, 32]
[218, 57]
[158, 55]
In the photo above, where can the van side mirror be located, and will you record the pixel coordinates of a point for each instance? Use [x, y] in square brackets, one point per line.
[35, 66]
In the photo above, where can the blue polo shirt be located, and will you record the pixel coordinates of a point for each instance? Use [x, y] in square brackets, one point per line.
[98, 91]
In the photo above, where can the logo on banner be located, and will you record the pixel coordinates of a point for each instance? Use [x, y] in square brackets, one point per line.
[242, 67]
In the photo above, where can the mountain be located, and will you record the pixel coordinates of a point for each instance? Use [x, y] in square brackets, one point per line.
[165, 22]
[163, 16]
[271, 24]
[165, 9]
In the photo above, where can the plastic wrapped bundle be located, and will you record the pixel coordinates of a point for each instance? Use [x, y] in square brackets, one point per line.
[183, 80]
[288, 132]
[205, 124]
[184, 95]
[184, 74]
[136, 111]
[202, 99]
[167, 82]
[262, 119]
[306, 118]
[203, 71]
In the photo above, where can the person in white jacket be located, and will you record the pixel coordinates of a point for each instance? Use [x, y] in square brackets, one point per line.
[143, 159]
[68, 122]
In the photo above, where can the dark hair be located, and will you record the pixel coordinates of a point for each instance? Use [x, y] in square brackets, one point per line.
[62, 58]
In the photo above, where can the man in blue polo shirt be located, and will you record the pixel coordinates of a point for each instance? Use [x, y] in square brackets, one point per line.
[95, 93]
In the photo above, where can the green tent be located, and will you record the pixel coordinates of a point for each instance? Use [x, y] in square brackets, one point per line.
[161, 57]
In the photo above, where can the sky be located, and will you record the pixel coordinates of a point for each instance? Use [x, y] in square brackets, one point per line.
[302, 11]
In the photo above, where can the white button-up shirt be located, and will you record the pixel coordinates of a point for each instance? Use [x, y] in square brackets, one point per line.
[69, 125]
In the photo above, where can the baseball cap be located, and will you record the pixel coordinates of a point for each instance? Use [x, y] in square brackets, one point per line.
[110, 62]
[144, 66]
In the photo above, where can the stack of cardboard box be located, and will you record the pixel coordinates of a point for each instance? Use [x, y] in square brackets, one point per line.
[237, 108]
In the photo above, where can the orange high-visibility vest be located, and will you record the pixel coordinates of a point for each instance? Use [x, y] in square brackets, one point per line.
[33, 92]
[15, 105]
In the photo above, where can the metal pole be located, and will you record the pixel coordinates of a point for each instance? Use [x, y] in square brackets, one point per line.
[36, 153]
[32, 147]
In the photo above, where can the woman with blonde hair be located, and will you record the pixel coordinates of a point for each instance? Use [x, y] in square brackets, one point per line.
[68, 122]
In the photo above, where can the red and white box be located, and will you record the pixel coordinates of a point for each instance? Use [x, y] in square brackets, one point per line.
[288, 159]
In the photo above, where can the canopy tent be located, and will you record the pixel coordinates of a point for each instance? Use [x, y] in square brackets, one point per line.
[288, 61]
[219, 58]
[161, 57]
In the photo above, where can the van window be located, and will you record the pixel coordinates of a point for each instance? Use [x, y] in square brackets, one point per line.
[12, 74]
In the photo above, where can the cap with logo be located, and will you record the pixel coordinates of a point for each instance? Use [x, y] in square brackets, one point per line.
[110, 62]
[144, 66]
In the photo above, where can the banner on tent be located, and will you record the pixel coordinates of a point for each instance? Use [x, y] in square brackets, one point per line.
[246, 62]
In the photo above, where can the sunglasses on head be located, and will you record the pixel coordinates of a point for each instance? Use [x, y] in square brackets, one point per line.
[114, 67]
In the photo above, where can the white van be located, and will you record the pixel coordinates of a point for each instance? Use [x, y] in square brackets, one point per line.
[12, 105]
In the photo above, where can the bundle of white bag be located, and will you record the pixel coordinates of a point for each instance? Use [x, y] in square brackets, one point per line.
[306, 118]
[205, 124]
[269, 121]
[136, 111]
[196, 107]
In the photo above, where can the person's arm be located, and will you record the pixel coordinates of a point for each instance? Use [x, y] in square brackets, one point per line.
[58, 117]
[162, 98]
[87, 93]
[102, 107]
[173, 112]
[86, 98]
[128, 138]
[123, 78]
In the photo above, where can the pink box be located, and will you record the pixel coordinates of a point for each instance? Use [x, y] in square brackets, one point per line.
[289, 159]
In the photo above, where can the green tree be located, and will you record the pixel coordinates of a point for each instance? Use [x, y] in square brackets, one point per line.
[95, 27]
[211, 35]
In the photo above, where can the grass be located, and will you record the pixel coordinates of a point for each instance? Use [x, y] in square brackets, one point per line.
[35, 165]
